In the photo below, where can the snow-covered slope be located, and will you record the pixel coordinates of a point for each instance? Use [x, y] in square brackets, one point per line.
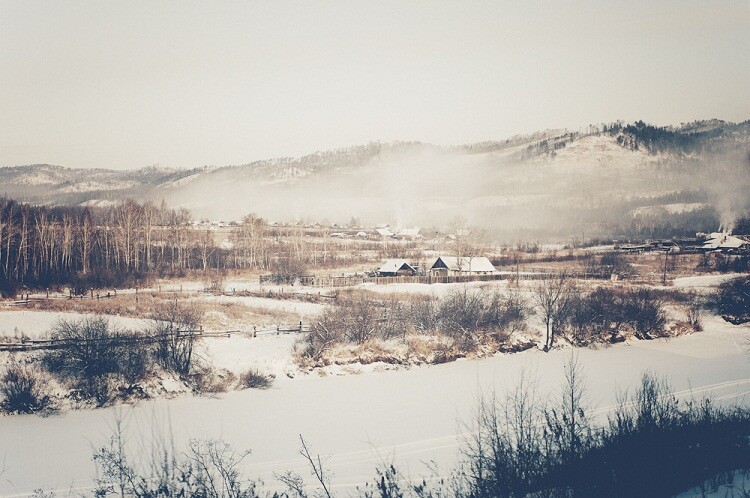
[515, 184]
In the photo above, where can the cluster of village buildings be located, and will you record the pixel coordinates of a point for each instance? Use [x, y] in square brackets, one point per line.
[714, 242]
[382, 231]
[442, 266]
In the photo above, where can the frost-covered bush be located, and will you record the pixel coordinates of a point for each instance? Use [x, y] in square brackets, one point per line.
[605, 314]
[23, 390]
[733, 300]
[208, 468]
[644, 311]
[97, 359]
[175, 326]
[255, 379]
[467, 316]
[89, 355]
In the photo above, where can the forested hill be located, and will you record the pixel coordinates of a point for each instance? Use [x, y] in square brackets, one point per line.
[609, 174]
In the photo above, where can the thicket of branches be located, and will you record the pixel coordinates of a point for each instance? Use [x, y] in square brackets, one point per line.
[23, 390]
[608, 314]
[465, 316]
[652, 444]
[102, 362]
[733, 300]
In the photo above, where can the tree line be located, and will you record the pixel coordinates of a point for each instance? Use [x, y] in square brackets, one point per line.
[125, 244]
[45, 246]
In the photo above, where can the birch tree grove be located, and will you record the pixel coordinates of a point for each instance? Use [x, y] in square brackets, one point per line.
[91, 247]
[124, 244]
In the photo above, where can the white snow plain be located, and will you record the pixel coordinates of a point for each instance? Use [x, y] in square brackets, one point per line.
[411, 416]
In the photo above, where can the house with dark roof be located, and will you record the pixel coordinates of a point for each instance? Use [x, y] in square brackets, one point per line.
[396, 268]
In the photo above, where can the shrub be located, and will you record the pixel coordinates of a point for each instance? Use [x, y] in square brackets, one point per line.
[653, 445]
[255, 379]
[733, 300]
[135, 362]
[23, 390]
[607, 264]
[207, 380]
[97, 358]
[175, 329]
[467, 316]
[644, 312]
[694, 311]
[208, 468]
[324, 333]
[90, 355]
[287, 270]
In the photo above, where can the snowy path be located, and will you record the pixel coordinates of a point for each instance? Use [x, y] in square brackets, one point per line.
[361, 420]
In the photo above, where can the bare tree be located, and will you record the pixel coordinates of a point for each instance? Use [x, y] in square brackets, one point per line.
[296, 484]
[552, 297]
[568, 426]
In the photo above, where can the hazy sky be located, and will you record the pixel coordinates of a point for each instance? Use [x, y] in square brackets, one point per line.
[130, 84]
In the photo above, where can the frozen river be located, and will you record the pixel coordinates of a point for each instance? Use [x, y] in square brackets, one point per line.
[412, 416]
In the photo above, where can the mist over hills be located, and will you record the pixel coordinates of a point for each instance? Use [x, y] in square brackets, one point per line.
[608, 180]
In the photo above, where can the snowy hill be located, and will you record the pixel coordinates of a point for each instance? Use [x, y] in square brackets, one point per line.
[603, 169]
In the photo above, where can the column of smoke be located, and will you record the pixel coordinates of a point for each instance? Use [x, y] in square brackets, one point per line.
[730, 187]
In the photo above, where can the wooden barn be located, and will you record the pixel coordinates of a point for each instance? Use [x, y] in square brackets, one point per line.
[396, 268]
[453, 266]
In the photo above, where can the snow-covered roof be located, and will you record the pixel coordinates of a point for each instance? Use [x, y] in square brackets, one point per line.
[394, 265]
[409, 232]
[468, 264]
[724, 241]
[383, 231]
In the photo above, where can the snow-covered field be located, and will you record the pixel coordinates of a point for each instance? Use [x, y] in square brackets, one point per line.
[288, 305]
[430, 289]
[412, 416]
[704, 282]
[271, 354]
[36, 324]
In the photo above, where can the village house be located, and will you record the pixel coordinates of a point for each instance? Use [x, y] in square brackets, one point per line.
[454, 266]
[409, 234]
[381, 233]
[723, 242]
[396, 268]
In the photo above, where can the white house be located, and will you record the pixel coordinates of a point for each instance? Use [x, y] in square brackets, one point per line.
[724, 242]
[451, 265]
[381, 233]
[409, 233]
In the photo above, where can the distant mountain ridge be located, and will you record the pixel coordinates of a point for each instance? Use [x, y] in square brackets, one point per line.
[46, 183]
[634, 164]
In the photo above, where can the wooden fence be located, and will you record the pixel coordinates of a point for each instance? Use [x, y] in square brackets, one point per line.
[47, 344]
[530, 274]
